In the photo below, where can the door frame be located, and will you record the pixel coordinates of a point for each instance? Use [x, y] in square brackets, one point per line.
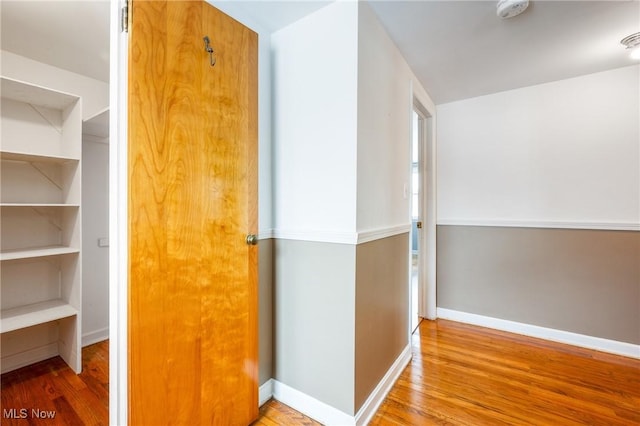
[417, 135]
[118, 211]
[427, 238]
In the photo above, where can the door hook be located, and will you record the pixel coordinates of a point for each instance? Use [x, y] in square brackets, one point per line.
[209, 50]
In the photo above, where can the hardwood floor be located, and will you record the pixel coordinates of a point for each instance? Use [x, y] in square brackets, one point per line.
[51, 388]
[459, 375]
[275, 413]
[466, 375]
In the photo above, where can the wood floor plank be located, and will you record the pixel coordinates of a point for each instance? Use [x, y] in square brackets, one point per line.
[466, 375]
[276, 413]
[459, 375]
[52, 387]
[64, 409]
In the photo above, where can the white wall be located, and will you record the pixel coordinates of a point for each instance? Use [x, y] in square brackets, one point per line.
[315, 84]
[315, 125]
[386, 88]
[95, 225]
[566, 153]
[94, 93]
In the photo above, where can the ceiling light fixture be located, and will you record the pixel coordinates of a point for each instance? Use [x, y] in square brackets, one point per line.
[510, 8]
[632, 42]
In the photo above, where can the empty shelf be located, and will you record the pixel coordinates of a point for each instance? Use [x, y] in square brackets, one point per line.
[34, 158]
[36, 252]
[38, 205]
[38, 313]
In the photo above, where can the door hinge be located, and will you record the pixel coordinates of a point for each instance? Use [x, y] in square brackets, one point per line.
[125, 18]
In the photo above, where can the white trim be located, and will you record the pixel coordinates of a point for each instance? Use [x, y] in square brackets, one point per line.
[381, 233]
[612, 226]
[371, 405]
[95, 336]
[31, 356]
[311, 407]
[118, 220]
[265, 235]
[265, 392]
[567, 337]
[337, 237]
[427, 283]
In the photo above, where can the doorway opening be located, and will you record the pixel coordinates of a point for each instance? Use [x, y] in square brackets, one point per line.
[417, 203]
[423, 216]
[58, 119]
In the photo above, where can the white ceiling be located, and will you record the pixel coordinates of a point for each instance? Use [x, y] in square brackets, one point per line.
[461, 49]
[458, 49]
[73, 35]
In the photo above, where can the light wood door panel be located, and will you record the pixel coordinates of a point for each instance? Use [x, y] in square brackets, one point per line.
[192, 200]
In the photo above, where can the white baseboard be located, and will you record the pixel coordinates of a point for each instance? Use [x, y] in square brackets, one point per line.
[371, 405]
[265, 392]
[329, 415]
[31, 356]
[311, 407]
[560, 336]
[95, 336]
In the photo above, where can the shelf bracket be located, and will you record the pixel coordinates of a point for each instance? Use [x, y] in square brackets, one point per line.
[53, 223]
[43, 173]
[41, 114]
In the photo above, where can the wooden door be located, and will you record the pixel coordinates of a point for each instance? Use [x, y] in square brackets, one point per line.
[192, 200]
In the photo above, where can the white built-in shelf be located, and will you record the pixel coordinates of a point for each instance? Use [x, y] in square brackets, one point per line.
[41, 238]
[37, 205]
[37, 313]
[35, 158]
[36, 252]
[33, 94]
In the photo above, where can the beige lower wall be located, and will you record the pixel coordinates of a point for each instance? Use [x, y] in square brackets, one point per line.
[581, 281]
[314, 314]
[382, 310]
[340, 316]
[265, 310]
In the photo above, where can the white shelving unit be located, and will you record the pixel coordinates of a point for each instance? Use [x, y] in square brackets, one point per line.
[40, 228]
